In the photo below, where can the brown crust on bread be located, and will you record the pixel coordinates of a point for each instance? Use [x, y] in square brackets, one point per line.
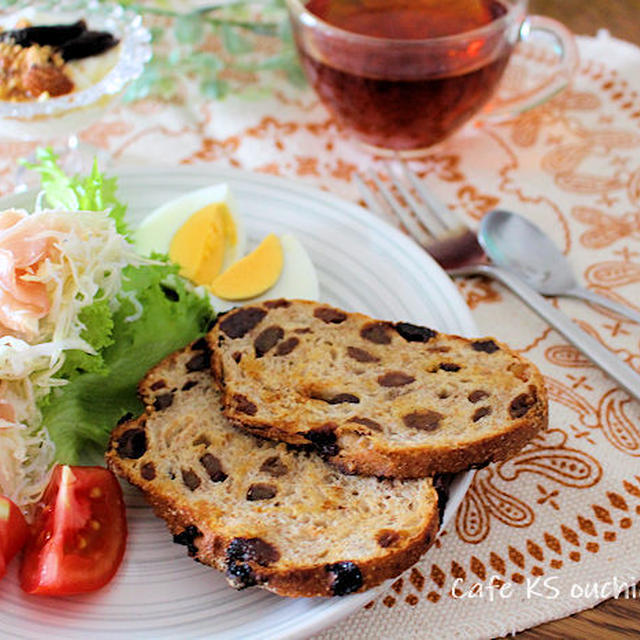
[358, 450]
[183, 509]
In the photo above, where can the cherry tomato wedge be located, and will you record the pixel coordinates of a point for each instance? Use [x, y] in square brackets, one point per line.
[79, 533]
[13, 532]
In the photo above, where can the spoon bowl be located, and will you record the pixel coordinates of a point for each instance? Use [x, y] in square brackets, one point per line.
[515, 244]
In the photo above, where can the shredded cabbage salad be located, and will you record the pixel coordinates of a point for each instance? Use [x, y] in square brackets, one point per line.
[26, 451]
[76, 308]
[83, 264]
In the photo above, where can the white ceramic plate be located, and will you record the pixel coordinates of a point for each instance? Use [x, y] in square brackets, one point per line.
[363, 265]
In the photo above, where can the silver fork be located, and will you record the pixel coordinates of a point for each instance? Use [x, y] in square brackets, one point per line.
[455, 247]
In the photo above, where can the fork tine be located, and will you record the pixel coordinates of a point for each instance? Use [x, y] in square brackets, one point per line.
[367, 194]
[414, 229]
[448, 218]
[423, 213]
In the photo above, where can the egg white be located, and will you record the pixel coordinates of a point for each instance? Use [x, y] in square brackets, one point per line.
[156, 231]
[298, 279]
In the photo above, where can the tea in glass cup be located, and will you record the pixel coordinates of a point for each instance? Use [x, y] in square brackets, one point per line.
[402, 75]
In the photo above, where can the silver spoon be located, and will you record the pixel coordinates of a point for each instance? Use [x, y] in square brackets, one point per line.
[514, 243]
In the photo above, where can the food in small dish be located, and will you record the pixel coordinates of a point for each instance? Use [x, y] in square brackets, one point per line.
[31, 72]
[86, 54]
[44, 61]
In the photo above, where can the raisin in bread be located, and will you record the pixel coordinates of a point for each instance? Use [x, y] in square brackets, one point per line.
[263, 513]
[376, 398]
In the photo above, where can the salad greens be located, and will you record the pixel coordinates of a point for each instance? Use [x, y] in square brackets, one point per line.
[94, 192]
[156, 313]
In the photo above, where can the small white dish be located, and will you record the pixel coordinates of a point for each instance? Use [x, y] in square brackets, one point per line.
[69, 114]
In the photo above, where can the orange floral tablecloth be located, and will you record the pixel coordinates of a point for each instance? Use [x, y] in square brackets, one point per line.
[558, 525]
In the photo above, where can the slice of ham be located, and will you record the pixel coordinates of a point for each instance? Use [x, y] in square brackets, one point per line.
[7, 411]
[24, 244]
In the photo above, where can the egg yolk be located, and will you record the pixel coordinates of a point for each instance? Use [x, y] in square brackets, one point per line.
[254, 274]
[199, 245]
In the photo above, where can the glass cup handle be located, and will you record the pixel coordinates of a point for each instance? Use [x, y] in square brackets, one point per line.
[550, 31]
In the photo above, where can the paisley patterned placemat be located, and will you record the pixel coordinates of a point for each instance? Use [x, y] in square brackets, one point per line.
[555, 529]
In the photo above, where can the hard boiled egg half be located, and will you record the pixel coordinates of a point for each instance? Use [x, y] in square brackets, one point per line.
[204, 234]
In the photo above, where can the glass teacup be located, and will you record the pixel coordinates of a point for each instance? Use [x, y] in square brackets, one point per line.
[405, 94]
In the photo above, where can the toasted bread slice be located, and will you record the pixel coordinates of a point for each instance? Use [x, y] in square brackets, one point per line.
[264, 513]
[376, 398]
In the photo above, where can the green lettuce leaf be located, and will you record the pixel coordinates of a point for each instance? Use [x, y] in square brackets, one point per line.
[167, 315]
[98, 321]
[102, 389]
[94, 192]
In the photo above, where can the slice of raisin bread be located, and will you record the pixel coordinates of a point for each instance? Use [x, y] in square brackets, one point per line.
[263, 513]
[376, 398]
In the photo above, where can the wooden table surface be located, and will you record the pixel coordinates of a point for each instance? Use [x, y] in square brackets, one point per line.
[614, 619]
[620, 17]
